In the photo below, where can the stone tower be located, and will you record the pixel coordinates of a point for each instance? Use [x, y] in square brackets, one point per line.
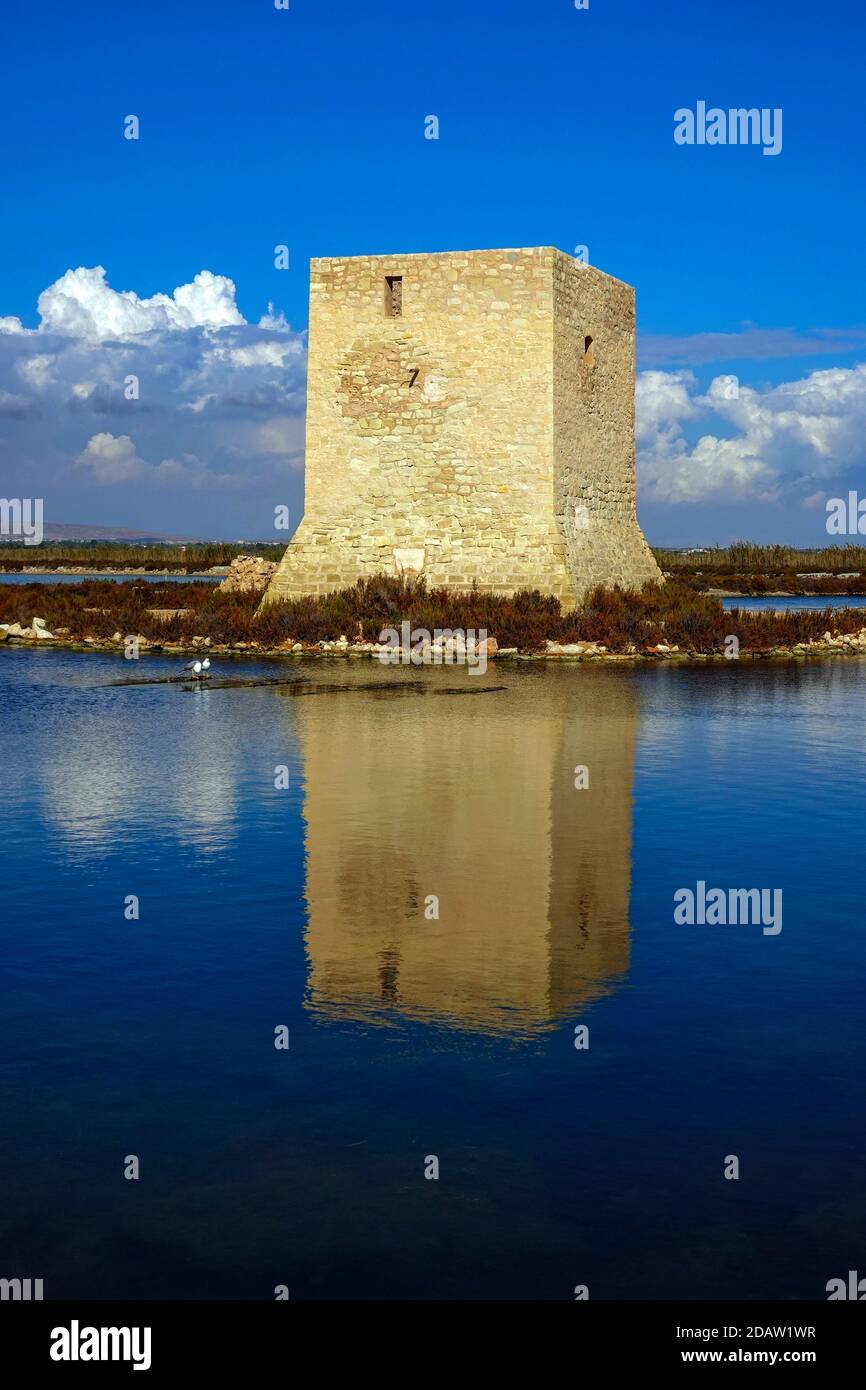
[470, 417]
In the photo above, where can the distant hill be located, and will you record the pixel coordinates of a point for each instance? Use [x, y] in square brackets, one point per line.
[61, 531]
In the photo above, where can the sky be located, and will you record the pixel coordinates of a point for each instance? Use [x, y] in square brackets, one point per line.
[304, 127]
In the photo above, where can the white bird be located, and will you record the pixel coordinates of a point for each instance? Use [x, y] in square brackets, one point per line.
[195, 667]
[205, 666]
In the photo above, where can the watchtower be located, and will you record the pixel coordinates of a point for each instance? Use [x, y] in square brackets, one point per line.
[470, 417]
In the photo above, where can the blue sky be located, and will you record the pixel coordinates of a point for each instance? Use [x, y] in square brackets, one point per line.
[306, 127]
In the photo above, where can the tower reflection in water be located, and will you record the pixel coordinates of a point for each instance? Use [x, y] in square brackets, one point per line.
[415, 797]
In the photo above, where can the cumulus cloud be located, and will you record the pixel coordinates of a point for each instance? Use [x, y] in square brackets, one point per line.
[110, 459]
[36, 370]
[762, 444]
[175, 391]
[268, 354]
[81, 304]
[663, 401]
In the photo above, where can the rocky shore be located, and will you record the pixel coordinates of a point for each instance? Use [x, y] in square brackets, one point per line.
[248, 574]
[450, 653]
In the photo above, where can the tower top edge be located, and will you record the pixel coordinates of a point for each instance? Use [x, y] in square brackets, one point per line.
[393, 261]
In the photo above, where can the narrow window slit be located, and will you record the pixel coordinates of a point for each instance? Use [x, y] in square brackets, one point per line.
[393, 296]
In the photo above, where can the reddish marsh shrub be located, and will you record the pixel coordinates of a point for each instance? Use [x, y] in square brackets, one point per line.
[616, 618]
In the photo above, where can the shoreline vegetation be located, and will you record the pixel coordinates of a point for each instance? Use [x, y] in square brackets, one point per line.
[734, 571]
[122, 557]
[207, 558]
[672, 622]
[743, 570]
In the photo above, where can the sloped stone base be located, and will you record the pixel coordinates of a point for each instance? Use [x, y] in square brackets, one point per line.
[325, 556]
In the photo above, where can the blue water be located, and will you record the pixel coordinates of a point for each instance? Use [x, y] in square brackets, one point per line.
[413, 1035]
[118, 578]
[796, 603]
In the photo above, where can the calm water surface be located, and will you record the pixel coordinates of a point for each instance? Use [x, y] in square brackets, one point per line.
[796, 603]
[412, 1036]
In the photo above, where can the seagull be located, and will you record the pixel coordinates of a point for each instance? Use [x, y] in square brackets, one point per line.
[195, 669]
[205, 666]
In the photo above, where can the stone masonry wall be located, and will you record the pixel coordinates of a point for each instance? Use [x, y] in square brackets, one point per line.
[445, 419]
[593, 411]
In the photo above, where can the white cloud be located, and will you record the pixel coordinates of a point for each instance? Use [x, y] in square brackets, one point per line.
[763, 440]
[36, 371]
[217, 404]
[274, 321]
[110, 458]
[271, 353]
[663, 401]
[200, 403]
[81, 304]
